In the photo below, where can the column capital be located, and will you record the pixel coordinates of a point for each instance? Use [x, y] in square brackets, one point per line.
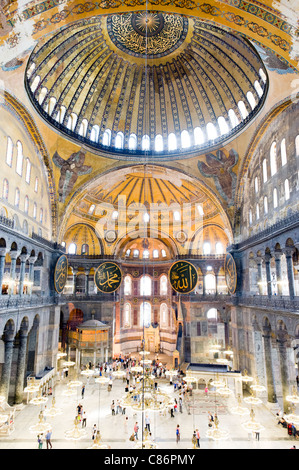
[14, 254]
[23, 257]
[288, 251]
[3, 251]
[278, 254]
[267, 257]
[32, 259]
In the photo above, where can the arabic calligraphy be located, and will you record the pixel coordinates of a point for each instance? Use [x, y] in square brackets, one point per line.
[60, 274]
[230, 273]
[183, 277]
[108, 277]
[152, 33]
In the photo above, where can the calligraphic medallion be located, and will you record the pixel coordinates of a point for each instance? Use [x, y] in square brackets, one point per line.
[60, 273]
[183, 277]
[145, 34]
[230, 273]
[108, 277]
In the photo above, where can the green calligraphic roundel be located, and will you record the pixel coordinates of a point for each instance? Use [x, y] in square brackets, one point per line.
[230, 273]
[60, 273]
[108, 277]
[183, 277]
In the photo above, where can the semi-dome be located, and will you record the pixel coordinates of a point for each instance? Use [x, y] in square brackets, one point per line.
[146, 83]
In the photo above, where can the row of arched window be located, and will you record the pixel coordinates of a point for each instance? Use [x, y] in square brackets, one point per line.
[25, 208]
[275, 202]
[145, 315]
[145, 286]
[197, 137]
[20, 162]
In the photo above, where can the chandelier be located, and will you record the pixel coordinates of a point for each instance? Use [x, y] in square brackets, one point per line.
[41, 426]
[218, 383]
[102, 380]
[294, 398]
[252, 425]
[39, 400]
[246, 378]
[75, 433]
[239, 410]
[216, 433]
[252, 400]
[97, 444]
[53, 411]
[146, 398]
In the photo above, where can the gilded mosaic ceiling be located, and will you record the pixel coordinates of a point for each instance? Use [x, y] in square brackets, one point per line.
[144, 83]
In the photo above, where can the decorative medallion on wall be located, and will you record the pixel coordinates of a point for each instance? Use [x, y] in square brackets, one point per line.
[183, 277]
[181, 236]
[154, 34]
[230, 273]
[108, 277]
[60, 273]
[110, 236]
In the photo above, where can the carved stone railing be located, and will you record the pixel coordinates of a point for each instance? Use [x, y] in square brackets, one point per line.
[15, 301]
[265, 302]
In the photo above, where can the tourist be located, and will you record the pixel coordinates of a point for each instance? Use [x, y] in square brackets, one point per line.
[113, 408]
[40, 441]
[148, 423]
[84, 417]
[136, 429]
[48, 439]
[82, 391]
[197, 437]
[178, 433]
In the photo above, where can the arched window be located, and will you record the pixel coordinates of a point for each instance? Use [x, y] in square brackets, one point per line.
[233, 118]
[5, 189]
[136, 253]
[145, 142]
[185, 139]
[159, 143]
[61, 114]
[91, 209]
[83, 127]
[212, 314]
[257, 212]
[283, 151]
[72, 249]
[42, 95]
[263, 75]
[206, 248]
[145, 254]
[265, 205]
[25, 227]
[164, 314]
[26, 204]
[128, 252]
[145, 285]
[172, 143]
[275, 198]
[119, 140]
[163, 252]
[52, 103]
[155, 253]
[256, 184]
[85, 249]
[176, 216]
[251, 99]
[265, 171]
[242, 109]
[9, 151]
[132, 144]
[127, 315]
[94, 133]
[219, 248]
[28, 171]
[273, 163]
[224, 129]
[36, 185]
[198, 136]
[250, 216]
[210, 281]
[145, 314]
[35, 83]
[17, 197]
[41, 213]
[258, 88]
[211, 131]
[127, 285]
[19, 167]
[34, 210]
[163, 285]
[106, 139]
[287, 189]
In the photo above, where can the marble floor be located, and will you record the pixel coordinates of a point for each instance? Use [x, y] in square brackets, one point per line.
[116, 430]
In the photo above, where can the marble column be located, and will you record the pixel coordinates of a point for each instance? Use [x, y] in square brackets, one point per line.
[86, 282]
[267, 259]
[269, 367]
[290, 271]
[75, 272]
[278, 255]
[259, 261]
[282, 349]
[6, 369]
[31, 260]
[3, 252]
[13, 256]
[21, 366]
[23, 258]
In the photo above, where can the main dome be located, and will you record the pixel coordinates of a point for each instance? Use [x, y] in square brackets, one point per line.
[146, 84]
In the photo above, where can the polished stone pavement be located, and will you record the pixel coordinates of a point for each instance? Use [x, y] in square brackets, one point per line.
[116, 430]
